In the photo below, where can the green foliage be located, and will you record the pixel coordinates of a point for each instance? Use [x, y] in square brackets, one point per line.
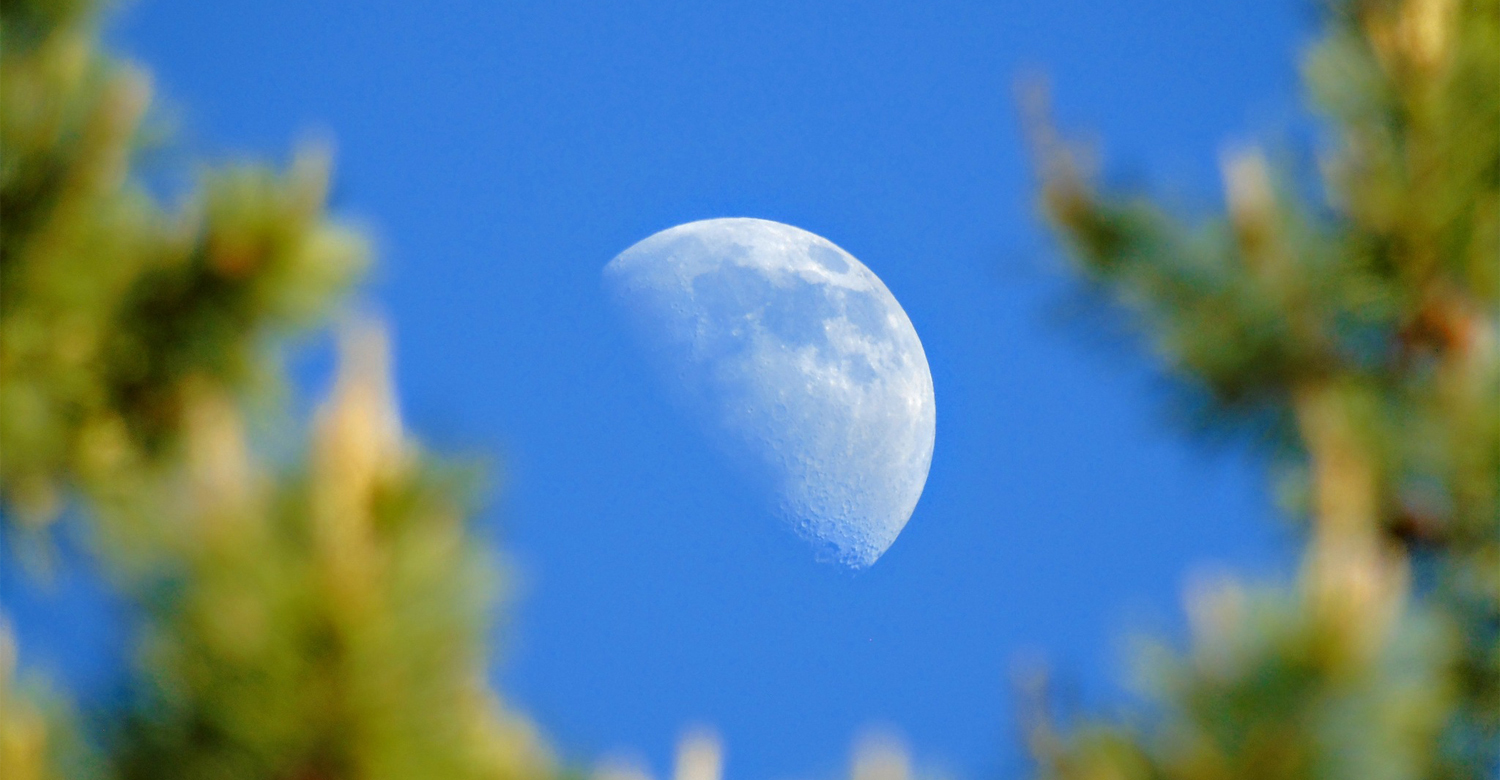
[1265, 692]
[1365, 328]
[37, 736]
[111, 303]
[320, 618]
[328, 623]
[325, 616]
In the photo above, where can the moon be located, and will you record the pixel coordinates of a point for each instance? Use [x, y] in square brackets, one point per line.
[801, 364]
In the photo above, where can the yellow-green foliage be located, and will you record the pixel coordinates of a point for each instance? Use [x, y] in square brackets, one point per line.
[37, 741]
[1358, 334]
[112, 303]
[324, 616]
[319, 618]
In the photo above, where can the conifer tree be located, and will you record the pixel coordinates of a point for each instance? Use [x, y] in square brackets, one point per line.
[313, 616]
[323, 615]
[1349, 330]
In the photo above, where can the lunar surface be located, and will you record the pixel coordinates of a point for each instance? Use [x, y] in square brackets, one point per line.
[801, 364]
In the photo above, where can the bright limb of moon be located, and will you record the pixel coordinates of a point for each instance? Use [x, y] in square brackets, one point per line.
[801, 362]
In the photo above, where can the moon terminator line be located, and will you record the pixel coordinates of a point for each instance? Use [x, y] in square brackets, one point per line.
[801, 363]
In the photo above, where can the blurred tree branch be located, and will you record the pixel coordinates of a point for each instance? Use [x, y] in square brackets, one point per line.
[1364, 330]
[316, 619]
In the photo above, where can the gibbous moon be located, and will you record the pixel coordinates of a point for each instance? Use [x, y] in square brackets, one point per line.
[802, 365]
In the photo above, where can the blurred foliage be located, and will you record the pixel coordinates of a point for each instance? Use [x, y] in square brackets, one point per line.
[113, 305]
[1353, 332]
[325, 615]
[37, 734]
[315, 617]
[876, 755]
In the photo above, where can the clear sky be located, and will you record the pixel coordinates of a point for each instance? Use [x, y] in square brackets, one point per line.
[502, 153]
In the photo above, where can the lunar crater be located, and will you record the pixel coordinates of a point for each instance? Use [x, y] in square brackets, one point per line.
[802, 362]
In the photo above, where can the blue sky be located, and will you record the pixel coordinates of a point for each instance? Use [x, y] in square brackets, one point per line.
[501, 154]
